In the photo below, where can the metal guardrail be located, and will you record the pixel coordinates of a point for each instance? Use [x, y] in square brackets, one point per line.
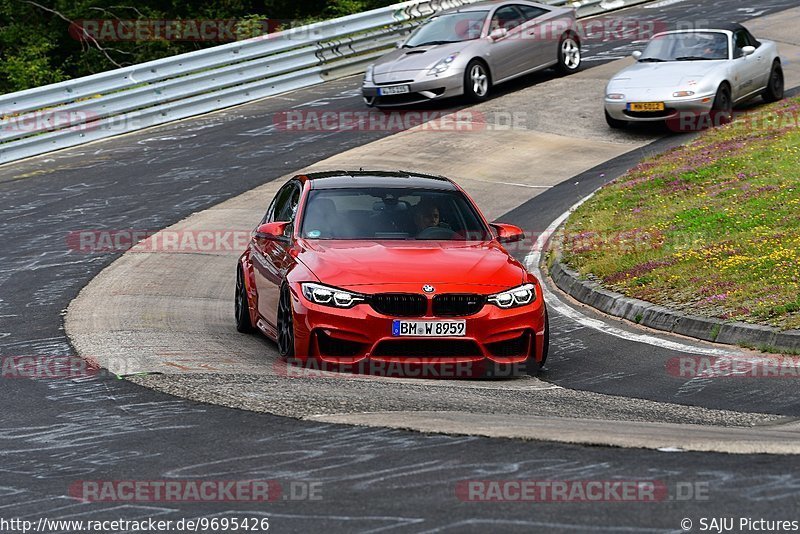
[110, 103]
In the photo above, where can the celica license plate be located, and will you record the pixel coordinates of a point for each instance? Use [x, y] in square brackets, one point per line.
[646, 106]
[394, 90]
[429, 328]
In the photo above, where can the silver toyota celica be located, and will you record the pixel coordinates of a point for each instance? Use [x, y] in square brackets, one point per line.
[466, 51]
[685, 74]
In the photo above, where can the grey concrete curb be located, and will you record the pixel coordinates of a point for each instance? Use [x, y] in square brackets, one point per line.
[657, 317]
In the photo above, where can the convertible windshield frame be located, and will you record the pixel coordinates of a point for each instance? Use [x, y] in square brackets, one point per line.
[688, 46]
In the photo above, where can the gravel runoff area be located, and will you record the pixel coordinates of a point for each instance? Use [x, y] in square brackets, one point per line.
[300, 398]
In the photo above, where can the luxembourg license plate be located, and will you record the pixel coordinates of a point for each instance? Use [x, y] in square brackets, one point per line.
[646, 106]
[394, 90]
[429, 328]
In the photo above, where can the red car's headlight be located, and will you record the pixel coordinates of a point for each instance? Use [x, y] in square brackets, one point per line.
[514, 298]
[330, 296]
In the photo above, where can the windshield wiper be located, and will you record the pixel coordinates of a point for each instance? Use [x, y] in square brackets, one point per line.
[651, 60]
[692, 58]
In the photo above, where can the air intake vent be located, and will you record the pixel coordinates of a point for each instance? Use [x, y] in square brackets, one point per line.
[427, 348]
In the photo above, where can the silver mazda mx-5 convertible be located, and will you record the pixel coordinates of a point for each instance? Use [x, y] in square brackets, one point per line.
[689, 73]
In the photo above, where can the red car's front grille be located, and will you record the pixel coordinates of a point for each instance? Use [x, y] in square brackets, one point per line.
[399, 304]
[426, 348]
[457, 304]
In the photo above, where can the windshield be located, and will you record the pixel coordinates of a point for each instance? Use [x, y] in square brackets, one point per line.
[450, 28]
[690, 46]
[391, 214]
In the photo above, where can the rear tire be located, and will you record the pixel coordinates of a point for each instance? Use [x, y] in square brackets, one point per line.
[477, 81]
[776, 87]
[615, 124]
[241, 305]
[285, 325]
[569, 54]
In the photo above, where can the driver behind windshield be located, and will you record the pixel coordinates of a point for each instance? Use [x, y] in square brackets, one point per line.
[705, 46]
[426, 215]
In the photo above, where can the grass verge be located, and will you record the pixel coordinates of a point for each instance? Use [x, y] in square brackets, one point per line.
[711, 228]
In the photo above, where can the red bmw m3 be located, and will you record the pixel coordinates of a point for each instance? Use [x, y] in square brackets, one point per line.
[374, 266]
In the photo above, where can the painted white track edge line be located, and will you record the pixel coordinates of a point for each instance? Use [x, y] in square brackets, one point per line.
[532, 261]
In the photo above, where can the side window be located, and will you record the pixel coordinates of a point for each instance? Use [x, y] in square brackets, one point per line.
[270, 210]
[507, 17]
[740, 40]
[287, 205]
[530, 12]
[280, 204]
[287, 210]
[752, 40]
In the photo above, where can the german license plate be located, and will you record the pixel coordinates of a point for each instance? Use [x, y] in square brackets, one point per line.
[646, 106]
[429, 328]
[394, 90]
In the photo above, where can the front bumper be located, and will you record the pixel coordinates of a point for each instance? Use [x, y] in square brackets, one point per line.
[422, 88]
[674, 108]
[361, 335]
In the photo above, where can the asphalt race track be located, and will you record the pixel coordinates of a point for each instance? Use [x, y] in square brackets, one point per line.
[56, 432]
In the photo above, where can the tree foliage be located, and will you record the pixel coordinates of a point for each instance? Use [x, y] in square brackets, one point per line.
[38, 46]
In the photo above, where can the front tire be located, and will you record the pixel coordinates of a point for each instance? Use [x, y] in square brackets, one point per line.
[615, 124]
[477, 81]
[546, 344]
[569, 54]
[241, 305]
[722, 109]
[775, 88]
[285, 325]
[532, 366]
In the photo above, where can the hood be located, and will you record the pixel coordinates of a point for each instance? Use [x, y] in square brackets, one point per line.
[359, 263]
[658, 75]
[416, 59]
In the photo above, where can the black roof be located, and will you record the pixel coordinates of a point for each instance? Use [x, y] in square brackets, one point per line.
[725, 25]
[361, 178]
[731, 26]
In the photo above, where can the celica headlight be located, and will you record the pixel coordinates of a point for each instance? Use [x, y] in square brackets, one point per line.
[368, 74]
[442, 65]
[330, 296]
[514, 298]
